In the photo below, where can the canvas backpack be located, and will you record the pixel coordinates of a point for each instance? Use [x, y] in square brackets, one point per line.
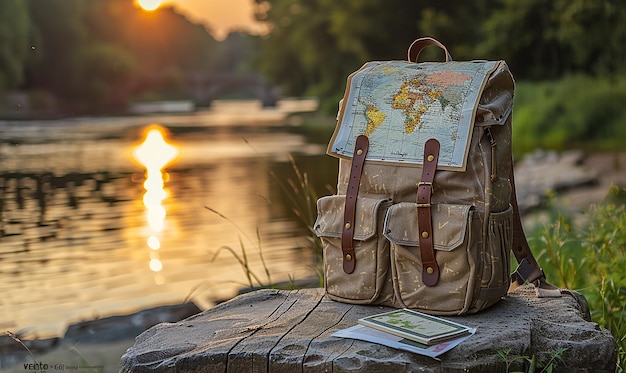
[425, 215]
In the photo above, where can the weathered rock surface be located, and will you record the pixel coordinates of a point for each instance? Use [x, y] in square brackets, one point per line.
[289, 331]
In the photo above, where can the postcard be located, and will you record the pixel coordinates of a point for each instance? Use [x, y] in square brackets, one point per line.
[372, 335]
[416, 326]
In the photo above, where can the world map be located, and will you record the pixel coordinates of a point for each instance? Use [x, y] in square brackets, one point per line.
[399, 105]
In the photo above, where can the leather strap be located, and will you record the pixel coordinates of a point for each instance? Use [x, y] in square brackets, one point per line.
[430, 269]
[347, 233]
[416, 48]
[528, 268]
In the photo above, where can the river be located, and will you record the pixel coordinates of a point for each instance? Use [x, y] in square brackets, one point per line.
[83, 235]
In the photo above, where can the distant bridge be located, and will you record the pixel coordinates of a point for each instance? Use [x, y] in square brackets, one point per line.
[205, 88]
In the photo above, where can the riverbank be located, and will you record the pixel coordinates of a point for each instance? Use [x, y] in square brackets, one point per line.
[100, 358]
[222, 113]
[97, 345]
[94, 345]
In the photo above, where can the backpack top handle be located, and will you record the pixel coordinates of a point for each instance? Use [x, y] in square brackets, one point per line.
[416, 48]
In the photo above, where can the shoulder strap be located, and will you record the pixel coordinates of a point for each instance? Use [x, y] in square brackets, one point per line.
[528, 268]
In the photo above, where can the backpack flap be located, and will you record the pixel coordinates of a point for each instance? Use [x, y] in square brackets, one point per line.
[330, 212]
[450, 224]
[398, 105]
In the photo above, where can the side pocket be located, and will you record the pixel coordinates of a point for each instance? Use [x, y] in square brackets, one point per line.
[496, 259]
[455, 252]
[500, 245]
[366, 283]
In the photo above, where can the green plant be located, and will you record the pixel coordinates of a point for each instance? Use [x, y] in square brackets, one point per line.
[531, 363]
[590, 257]
[254, 281]
[561, 250]
[575, 111]
[243, 258]
[302, 197]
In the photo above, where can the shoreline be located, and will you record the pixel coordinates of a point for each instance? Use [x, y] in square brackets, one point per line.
[100, 342]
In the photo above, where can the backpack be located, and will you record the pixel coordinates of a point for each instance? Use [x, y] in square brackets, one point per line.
[425, 215]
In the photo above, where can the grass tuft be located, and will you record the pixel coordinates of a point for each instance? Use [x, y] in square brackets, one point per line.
[590, 257]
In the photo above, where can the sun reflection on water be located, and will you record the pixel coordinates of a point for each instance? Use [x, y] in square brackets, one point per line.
[154, 153]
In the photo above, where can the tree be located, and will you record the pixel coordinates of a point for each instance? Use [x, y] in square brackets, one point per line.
[235, 54]
[98, 55]
[456, 24]
[15, 49]
[595, 33]
[158, 49]
[314, 45]
[58, 39]
[544, 39]
[106, 71]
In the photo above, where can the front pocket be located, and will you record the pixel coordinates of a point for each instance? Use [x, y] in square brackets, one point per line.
[455, 252]
[366, 283]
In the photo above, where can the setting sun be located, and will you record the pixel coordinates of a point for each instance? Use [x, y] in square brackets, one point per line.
[149, 5]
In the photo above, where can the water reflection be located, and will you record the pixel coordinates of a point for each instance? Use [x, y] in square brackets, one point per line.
[76, 239]
[154, 153]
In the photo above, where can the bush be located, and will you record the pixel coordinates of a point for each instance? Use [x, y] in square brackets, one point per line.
[575, 112]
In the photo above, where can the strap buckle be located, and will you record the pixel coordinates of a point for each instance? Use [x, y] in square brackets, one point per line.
[423, 194]
[526, 272]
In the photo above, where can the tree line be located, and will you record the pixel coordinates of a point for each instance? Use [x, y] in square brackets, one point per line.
[315, 44]
[94, 56]
[98, 55]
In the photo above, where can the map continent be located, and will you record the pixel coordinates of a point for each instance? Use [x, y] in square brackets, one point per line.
[400, 105]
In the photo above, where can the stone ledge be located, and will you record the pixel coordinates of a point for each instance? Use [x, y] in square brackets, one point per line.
[288, 331]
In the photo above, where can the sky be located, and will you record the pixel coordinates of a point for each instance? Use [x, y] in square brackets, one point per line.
[220, 16]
